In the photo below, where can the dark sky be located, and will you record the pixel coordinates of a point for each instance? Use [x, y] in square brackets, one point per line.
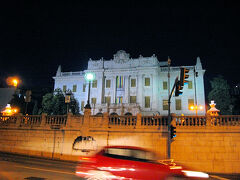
[37, 36]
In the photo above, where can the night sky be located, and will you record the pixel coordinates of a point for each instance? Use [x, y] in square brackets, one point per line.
[37, 36]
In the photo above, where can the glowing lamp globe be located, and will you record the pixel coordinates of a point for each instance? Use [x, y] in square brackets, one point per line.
[89, 76]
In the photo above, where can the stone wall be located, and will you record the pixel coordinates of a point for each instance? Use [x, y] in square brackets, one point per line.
[203, 143]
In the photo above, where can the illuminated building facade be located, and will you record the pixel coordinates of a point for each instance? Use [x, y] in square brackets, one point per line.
[126, 85]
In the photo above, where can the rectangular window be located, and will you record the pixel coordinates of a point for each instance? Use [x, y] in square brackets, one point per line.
[147, 81]
[147, 101]
[178, 104]
[64, 88]
[84, 88]
[120, 81]
[119, 100]
[74, 88]
[108, 83]
[189, 84]
[93, 100]
[165, 104]
[108, 99]
[190, 103]
[165, 85]
[82, 105]
[133, 99]
[94, 84]
[133, 82]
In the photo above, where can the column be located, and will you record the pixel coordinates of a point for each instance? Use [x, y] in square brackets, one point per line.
[140, 90]
[114, 89]
[126, 89]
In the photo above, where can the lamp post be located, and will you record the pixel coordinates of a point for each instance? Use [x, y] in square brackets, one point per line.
[196, 108]
[169, 111]
[89, 77]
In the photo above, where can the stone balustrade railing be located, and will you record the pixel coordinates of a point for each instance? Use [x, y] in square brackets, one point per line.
[190, 120]
[123, 120]
[65, 121]
[154, 121]
[30, 120]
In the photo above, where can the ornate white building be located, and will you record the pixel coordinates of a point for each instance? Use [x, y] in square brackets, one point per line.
[134, 85]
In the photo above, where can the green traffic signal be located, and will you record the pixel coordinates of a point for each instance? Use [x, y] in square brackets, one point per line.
[172, 131]
[184, 76]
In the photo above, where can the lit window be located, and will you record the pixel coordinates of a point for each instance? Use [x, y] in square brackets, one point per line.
[64, 88]
[133, 82]
[165, 86]
[190, 103]
[178, 104]
[147, 101]
[82, 105]
[94, 84]
[108, 83]
[189, 84]
[133, 99]
[84, 88]
[108, 99]
[93, 100]
[165, 104]
[74, 88]
[147, 81]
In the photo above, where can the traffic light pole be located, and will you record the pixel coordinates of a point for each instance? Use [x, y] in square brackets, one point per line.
[170, 120]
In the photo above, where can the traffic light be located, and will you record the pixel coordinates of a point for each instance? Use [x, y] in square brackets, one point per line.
[184, 76]
[178, 89]
[173, 131]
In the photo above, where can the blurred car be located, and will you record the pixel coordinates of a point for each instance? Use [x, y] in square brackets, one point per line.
[128, 162]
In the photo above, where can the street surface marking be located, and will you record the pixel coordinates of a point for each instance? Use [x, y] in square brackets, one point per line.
[217, 177]
[45, 170]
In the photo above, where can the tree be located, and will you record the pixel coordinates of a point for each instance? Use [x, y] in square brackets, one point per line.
[220, 93]
[54, 103]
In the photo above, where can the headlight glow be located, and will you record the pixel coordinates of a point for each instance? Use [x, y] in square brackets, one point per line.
[195, 174]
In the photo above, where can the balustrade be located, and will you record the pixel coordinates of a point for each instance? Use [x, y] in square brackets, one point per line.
[225, 120]
[123, 120]
[56, 120]
[154, 120]
[33, 120]
[190, 120]
[7, 120]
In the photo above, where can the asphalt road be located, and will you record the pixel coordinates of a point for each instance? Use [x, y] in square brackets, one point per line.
[29, 168]
[16, 167]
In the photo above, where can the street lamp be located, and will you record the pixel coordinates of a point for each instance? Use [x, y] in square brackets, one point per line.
[196, 108]
[89, 77]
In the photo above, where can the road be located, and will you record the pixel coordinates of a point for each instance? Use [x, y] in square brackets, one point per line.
[28, 168]
[16, 167]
